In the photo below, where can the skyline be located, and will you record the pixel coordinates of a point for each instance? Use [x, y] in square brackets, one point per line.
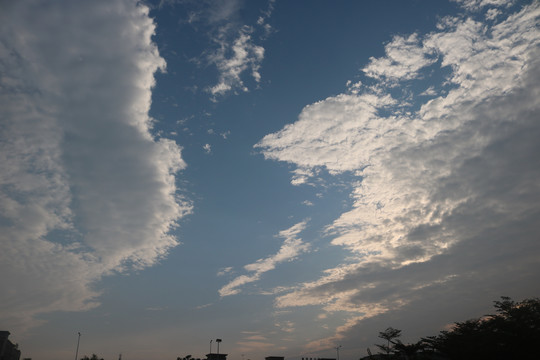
[286, 176]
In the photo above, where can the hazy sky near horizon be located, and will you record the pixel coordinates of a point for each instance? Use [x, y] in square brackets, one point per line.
[288, 176]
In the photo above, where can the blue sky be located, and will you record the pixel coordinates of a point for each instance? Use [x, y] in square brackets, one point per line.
[288, 176]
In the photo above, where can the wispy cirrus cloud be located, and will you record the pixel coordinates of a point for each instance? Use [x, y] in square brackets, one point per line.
[234, 58]
[235, 48]
[441, 184]
[86, 189]
[238, 53]
[257, 342]
[290, 249]
[475, 5]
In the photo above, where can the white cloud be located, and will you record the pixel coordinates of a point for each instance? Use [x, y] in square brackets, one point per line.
[430, 91]
[475, 5]
[234, 47]
[254, 344]
[286, 326]
[440, 190]
[234, 50]
[292, 247]
[266, 14]
[225, 271]
[223, 10]
[203, 306]
[404, 57]
[255, 338]
[492, 14]
[207, 148]
[329, 137]
[246, 56]
[85, 188]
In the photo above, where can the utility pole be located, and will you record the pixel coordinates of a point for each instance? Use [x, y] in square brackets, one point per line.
[218, 341]
[78, 342]
[337, 350]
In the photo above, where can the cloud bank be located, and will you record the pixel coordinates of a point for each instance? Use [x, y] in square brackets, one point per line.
[447, 190]
[85, 188]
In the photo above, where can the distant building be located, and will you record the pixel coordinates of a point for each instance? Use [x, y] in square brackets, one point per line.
[8, 350]
[274, 358]
[214, 356]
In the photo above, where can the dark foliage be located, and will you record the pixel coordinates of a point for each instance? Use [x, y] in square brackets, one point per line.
[93, 357]
[511, 333]
[390, 335]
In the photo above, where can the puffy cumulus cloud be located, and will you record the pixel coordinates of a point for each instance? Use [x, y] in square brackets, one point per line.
[85, 187]
[290, 249]
[404, 57]
[325, 129]
[446, 193]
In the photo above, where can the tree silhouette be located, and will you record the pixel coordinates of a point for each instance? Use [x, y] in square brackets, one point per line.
[409, 351]
[93, 357]
[509, 334]
[390, 334]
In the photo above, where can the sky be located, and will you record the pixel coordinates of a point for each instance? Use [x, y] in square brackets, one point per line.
[287, 176]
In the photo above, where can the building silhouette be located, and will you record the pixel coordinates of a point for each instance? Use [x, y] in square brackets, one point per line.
[214, 356]
[8, 350]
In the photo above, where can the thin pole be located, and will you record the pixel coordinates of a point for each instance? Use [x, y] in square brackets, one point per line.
[210, 346]
[337, 350]
[78, 342]
[218, 341]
